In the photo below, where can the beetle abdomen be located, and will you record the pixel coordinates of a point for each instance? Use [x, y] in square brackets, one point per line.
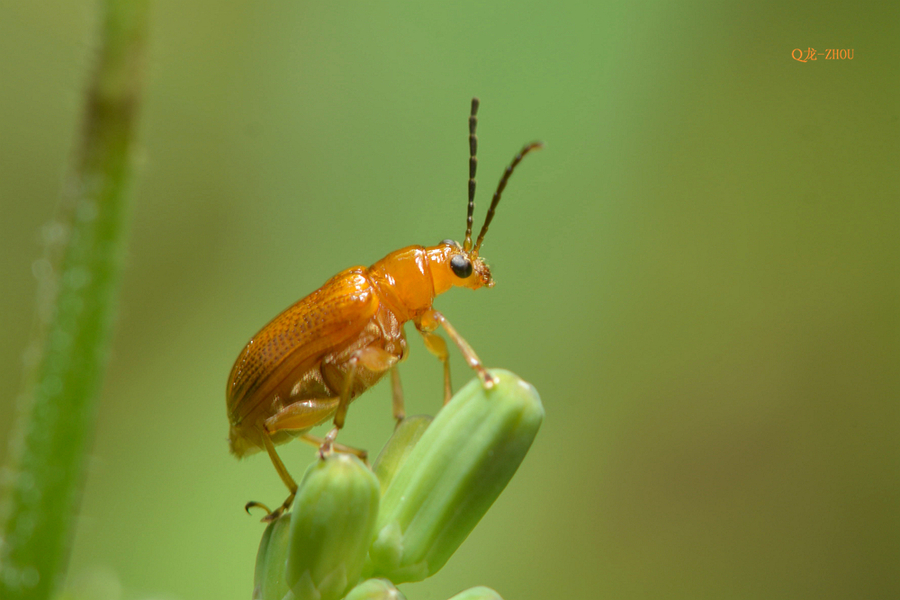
[292, 345]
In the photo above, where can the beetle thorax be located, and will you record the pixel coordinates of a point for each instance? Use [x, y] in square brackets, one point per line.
[404, 281]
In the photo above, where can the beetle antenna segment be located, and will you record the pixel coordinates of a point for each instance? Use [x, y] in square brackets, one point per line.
[500, 187]
[473, 165]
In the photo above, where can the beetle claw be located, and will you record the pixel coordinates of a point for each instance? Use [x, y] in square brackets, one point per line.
[251, 504]
[273, 515]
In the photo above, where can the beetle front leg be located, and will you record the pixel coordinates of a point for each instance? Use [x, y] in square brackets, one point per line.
[430, 320]
[397, 404]
[437, 346]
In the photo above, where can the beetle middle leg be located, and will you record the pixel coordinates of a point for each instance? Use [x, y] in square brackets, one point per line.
[285, 477]
[372, 358]
[317, 441]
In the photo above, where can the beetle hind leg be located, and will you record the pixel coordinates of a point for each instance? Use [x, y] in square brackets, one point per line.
[285, 477]
[298, 415]
[279, 466]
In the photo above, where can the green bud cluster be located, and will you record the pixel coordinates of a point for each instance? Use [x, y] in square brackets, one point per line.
[477, 593]
[431, 484]
[375, 589]
[269, 581]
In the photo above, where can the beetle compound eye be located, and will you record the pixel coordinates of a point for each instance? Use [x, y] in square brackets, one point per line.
[461, 266]
[449, 242]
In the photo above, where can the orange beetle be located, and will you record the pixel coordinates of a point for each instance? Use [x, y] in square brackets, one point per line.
[320, 354]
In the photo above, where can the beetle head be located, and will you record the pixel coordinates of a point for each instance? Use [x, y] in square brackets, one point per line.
[462, 268]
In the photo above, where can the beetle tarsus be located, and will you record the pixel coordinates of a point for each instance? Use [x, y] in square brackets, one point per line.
[275, 514]
[327, 446]
[487, 380]
[272, 516]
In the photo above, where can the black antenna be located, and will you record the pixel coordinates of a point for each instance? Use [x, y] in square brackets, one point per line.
[500, 186]
[473, 165]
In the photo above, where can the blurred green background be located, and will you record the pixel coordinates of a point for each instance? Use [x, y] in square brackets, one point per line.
[699, 274]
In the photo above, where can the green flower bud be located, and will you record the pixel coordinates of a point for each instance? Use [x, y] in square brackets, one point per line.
[375, 589]
[268, 580]
[452, 476]
[332, 525]
[397, 449]
[477, 593]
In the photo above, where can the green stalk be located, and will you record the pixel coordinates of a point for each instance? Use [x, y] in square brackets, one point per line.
[53, 430]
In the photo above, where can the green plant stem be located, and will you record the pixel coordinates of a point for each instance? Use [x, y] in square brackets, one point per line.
[56, 425]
